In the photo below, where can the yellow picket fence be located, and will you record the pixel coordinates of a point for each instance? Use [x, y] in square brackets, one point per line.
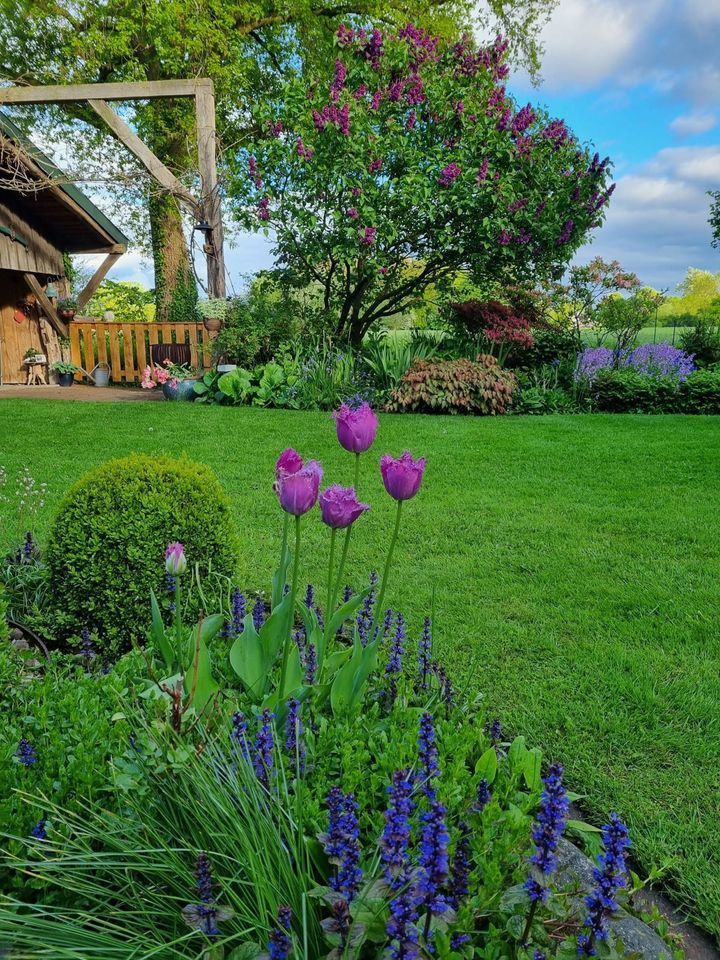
[126, 347]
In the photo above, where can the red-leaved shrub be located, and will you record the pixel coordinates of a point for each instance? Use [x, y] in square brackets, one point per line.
[496, 322]
[454, 386]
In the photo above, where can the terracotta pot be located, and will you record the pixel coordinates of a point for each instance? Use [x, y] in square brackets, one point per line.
[68, 314]
[212, 324]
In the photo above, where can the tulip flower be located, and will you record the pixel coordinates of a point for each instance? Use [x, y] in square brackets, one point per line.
[298, 491]
[402, 476]
[356, 429]
[289, 461]
[339, 507]
[175, 561]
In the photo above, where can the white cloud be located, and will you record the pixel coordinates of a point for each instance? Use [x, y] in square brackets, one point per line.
[657, 221]
[689, 124]
[587, 41]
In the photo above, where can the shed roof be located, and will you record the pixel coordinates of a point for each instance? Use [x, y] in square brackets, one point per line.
[59, 211]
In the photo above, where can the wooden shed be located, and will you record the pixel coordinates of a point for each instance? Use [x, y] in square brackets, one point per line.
[41, 218]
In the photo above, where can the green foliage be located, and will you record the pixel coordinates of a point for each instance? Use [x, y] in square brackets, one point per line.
[698, 290]
[626, 391]
[131, 302]
[107, 541]
[703, 342]
[389, 358]
[67, 713]
[454, 386]
[269, 385]
[377, 207]
[714, 219]
[622, 318]
[4, 608]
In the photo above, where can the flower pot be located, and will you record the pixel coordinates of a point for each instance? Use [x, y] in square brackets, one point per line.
[226, 367]
[184, 390]
[212, 324]
[66, 379]
[67, 314]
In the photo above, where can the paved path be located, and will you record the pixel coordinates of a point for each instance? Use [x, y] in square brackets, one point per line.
[77, 392]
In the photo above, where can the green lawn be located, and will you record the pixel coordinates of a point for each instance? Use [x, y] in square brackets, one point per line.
[576, 569]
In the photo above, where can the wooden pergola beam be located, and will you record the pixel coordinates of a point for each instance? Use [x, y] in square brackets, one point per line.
[96, 279]
[152, 164]
[77, 92]
[48, 309]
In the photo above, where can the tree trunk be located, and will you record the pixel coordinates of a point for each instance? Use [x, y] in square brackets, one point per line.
[175, 287]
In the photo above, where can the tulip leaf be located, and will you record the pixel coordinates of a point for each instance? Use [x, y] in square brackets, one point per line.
[345, 612]
[158, 634]
[516, 754]
[295, 673]
[274, 631]
[532, 769]
[247, 660]
[280, 578]
[200, 678]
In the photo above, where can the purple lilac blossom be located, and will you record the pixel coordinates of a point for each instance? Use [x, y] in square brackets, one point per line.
[449, 174]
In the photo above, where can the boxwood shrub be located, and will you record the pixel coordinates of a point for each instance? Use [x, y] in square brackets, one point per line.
[627, 391]
[107, 541]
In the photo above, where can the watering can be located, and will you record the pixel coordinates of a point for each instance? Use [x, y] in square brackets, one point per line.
[100, 375]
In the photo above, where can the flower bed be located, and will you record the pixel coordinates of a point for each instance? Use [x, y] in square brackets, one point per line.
[299, 781]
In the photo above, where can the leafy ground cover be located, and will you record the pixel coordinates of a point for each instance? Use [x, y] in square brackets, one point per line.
[573, 565]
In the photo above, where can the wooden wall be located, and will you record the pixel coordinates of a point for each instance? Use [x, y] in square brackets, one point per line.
[39, 256]
[15, 338]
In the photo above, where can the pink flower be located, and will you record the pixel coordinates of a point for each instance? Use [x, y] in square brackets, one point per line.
[175, 561]
[367, 236]
[402, 476]
[298, 491]
[353, 213]
[356, 429]
[289, 461]
[339, 507]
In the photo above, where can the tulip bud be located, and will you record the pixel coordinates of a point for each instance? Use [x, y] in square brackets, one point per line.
[402, 476]
[356, 429]
[175, 561]
[339, 507]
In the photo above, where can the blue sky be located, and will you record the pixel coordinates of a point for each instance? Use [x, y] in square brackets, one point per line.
[641, 80]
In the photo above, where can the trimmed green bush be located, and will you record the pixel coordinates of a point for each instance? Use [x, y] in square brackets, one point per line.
[627, 391]
[454, 386]
[106, 546]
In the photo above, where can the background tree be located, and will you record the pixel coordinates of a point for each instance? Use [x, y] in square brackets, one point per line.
[714, 220]
[414, 152]
[244, 48]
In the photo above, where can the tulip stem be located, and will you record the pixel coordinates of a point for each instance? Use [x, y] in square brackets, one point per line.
[386, 573]
[179, 652]
[333, 534]
[283, 554]
[291, 617]
[356, 479]
[343, 557]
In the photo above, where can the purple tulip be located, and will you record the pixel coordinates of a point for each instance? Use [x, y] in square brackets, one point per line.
[175, 562]
[402, 476]
[289, 461]
[356, 429]
[298, 491]
[340, 507]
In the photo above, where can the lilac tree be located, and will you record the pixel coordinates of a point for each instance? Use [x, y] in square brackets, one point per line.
[411, 163]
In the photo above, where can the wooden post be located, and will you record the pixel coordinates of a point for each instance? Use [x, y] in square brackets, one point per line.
[210, 194]
[96, 279]
[47, 307]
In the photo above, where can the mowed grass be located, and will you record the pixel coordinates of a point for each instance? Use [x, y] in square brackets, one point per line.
[575, 567]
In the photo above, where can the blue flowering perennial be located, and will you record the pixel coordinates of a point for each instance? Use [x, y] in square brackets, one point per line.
[433, 861]
[263, 761]
[446, 687]
[347, 593]
[205, 915]
[428, 756]
[364, 619]
[238, 610]
[87, 650]
[294, 731]
[482, 796]
[401, 929]
[460, 876]
[425, 653]
[610, 876]
[26, 752]
[394, 665]
[280, 945]
[310, 663]
[495, 732]
[238, 734]
[39, 832]
[341, 843]
[338, 923]
[309, 600]
[395, 843]
[547, 831]
[258, 613]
